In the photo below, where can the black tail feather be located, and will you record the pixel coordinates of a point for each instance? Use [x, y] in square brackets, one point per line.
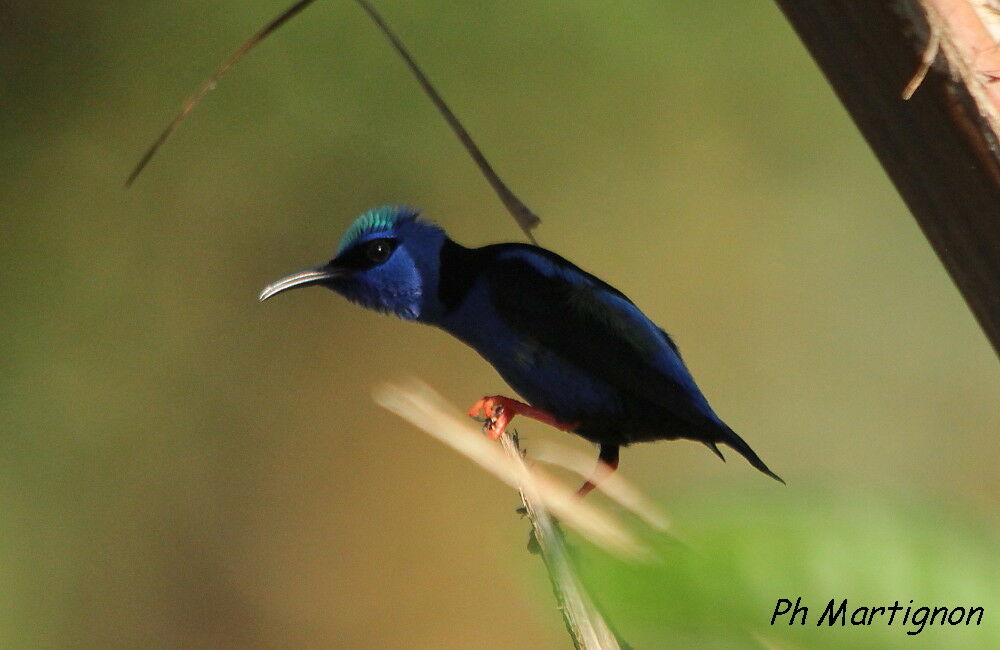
[715, 449]
[737, 443]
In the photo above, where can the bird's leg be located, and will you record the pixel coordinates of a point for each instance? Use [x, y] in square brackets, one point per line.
[499, 411]
[608, 457]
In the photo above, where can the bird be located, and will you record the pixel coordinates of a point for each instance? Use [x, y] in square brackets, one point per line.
[583, 355]
[580, 353]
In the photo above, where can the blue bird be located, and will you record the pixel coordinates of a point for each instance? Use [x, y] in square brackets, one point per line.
[585, 358]
[582, 354]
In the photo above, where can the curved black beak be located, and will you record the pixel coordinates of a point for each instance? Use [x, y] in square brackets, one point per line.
[300, 279]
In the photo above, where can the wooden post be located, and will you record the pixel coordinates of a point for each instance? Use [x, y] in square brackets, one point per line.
[940, 146]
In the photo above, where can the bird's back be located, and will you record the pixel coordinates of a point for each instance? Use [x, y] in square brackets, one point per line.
[571, 344]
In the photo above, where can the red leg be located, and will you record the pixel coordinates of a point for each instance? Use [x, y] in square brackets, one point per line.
[608, 456]
[499, 411]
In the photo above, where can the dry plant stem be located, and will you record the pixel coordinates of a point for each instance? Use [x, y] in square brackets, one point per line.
[930, 54]
[583, 621]
[423, 407]
[939, 147]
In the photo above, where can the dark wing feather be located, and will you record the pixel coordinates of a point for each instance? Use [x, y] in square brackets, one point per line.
[593, 326]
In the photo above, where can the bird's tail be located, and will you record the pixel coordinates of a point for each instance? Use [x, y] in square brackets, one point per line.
[733, 440]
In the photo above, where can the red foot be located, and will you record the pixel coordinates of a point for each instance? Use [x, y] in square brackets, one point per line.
[499, 411]
[590, 484]
[607, 462]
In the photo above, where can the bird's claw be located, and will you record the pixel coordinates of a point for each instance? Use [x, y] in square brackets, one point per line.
[496, 416]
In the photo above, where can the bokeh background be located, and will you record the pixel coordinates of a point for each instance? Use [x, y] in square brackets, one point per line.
[183, 467]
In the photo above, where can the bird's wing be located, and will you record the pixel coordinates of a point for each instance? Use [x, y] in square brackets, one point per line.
[593, 326]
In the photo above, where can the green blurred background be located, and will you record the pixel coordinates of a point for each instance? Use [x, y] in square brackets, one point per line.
[183, 467]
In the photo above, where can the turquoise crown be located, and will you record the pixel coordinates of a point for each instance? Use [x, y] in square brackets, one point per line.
[384, 217]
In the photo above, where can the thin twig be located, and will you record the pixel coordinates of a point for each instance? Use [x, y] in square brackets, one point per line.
[522, 214]
[209, 84]
[525, 218]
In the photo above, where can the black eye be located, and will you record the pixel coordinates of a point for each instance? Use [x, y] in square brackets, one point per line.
[378, 250]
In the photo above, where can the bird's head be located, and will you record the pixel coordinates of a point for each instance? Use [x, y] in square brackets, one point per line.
[387, 260]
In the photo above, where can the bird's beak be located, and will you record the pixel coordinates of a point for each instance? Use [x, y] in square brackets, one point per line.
[300, 279]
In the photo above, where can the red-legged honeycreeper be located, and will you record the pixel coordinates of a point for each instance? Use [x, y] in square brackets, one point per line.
[585, 358]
